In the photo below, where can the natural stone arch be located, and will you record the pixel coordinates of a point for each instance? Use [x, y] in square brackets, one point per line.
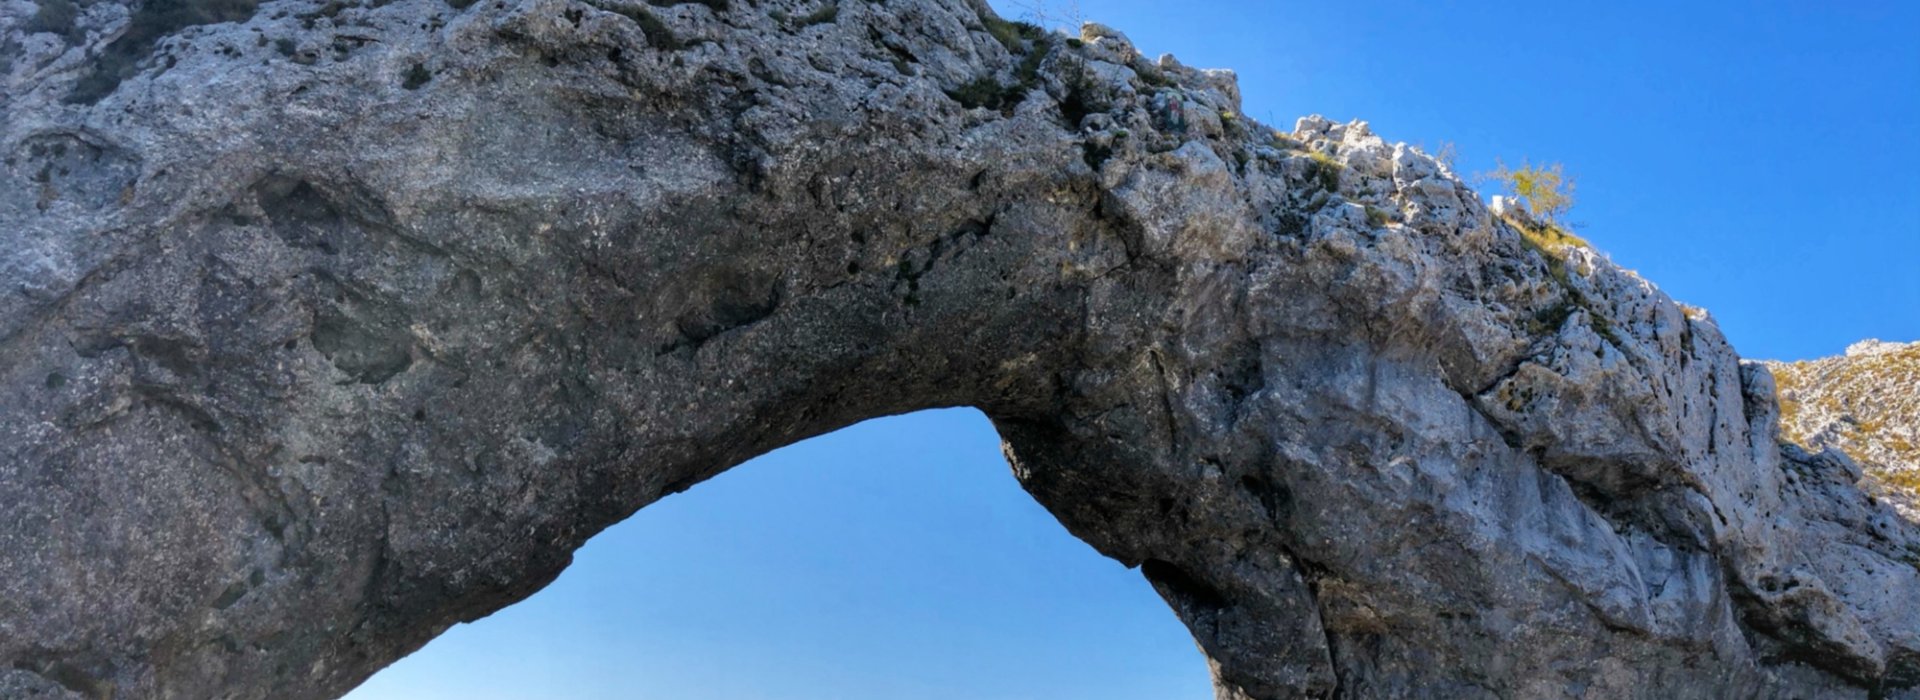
[370, 344]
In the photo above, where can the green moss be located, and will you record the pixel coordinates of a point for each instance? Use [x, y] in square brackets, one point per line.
[1550, 319]
[987, 91]
[983, 91]
[1603, 327]
[1027, 72]
[1012, 35]
[1552, 243]
[1324, 169]
[1549, 237]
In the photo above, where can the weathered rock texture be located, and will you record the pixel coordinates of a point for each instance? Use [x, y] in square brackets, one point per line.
[1865, 404]
[334, 325]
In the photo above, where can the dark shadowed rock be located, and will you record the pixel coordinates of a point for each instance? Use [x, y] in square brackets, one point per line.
[327, 326]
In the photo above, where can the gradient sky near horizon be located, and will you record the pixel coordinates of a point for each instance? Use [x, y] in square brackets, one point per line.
[1755, 159]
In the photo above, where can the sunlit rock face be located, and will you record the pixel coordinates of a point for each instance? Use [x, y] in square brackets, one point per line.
[1865, 405]
[328, 326]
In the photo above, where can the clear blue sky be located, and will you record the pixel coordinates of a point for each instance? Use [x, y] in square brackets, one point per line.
[897, 559]
[1759, 159]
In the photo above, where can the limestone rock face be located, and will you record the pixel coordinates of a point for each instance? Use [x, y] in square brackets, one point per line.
[1865, 405]
[329, 325]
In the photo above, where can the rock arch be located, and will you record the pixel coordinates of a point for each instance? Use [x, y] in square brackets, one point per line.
[361, 354]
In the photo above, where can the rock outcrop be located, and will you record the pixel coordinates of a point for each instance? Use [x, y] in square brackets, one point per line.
[1866, 405]
[328, 325]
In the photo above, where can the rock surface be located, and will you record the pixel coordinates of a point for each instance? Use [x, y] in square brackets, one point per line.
[1866, 405]
[329, 325]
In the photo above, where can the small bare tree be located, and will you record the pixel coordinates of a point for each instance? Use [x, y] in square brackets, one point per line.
[1063, 15]
[1446, 155]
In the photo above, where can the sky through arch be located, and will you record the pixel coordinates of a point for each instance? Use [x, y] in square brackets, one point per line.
[896, 558]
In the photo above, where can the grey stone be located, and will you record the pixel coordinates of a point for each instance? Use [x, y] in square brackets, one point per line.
[332, 327]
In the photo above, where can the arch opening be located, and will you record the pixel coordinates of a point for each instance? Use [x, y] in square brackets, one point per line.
[893, 558]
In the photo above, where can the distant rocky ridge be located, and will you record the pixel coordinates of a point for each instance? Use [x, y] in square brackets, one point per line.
[1865, 403]
[327, 325]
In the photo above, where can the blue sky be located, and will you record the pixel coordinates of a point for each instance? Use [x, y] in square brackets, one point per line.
[894, 559]
[1758, 159]
[1754, 158]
